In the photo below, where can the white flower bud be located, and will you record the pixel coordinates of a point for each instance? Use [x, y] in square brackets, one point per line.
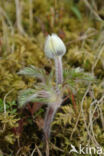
[54, 46]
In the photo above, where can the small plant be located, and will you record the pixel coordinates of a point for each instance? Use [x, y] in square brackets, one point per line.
[46, 91]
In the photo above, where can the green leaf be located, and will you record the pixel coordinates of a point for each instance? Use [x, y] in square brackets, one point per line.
[25, 96]
[78, 74]
[1, 101]
[33, 72]
[76, 12]
[30, 95]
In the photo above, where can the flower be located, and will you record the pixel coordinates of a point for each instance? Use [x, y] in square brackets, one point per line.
[54, 46]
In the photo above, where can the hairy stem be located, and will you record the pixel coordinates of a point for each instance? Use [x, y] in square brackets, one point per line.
[59, 70]
[48, 119]
[51, 110]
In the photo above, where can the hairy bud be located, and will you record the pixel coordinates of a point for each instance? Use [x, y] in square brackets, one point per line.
[54, 46]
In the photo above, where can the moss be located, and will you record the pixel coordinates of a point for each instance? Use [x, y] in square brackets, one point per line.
[84, 41]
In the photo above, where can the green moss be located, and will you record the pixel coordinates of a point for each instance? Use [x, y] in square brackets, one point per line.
[84, 40]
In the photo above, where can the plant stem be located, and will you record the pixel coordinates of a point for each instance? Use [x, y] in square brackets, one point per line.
[59, 69]
[51, 110]
[48, 119]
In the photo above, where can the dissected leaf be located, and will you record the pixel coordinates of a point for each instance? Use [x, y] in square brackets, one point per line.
[32, 95]
[78, 74]
[33, 72]
[26, 96]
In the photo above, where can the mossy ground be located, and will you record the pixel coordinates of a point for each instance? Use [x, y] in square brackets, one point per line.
[80, 25]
